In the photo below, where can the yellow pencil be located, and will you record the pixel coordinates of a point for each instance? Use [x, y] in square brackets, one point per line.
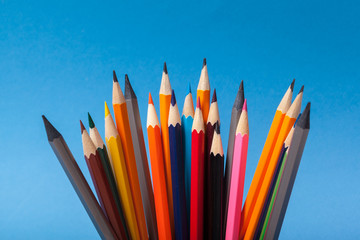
[117, 161]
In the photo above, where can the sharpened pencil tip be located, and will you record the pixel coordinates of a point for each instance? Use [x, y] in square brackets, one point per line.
[292, 85]
[304, 120]
[165, 68]
[245, 106]
[129, 91]
[82, 127]
[150, 99]
[173, 99]
[91, 122]
[217, 128]
[239, 100]
[51, 132]
[189, 88]
[107, 111]
[214, 98]
[114, 76]
[198, 104]
[204, 62]
[301, 90]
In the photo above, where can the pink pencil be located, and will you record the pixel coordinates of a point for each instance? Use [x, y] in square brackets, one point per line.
[238, 176]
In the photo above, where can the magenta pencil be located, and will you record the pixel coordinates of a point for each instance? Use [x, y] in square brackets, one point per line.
[238, 176]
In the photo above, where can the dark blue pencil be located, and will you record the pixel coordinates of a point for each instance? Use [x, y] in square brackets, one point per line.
[177, 171]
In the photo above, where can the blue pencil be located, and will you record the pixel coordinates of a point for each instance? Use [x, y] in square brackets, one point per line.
[187, 119]
[177, 171]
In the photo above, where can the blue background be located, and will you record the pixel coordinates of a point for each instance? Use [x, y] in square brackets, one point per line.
[57, 59]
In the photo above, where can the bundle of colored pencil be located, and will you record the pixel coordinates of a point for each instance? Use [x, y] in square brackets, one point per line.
[189, 195]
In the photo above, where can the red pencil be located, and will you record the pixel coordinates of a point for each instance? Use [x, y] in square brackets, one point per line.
[197, 175]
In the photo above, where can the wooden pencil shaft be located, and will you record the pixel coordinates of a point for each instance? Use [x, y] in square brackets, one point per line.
[82, 188]
[270, 193]
[216, 215]
[286, 183]
[142, 166]
[178, 181]
[102, 152]
[197, 185]
[209, 133]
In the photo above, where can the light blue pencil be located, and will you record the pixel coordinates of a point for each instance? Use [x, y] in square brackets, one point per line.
[186, 123]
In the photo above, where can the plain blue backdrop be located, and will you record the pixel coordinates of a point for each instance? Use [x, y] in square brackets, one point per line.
[57, 59]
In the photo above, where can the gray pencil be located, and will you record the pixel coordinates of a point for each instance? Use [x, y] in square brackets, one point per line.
[288, 178]
[235, 116]
[141, 159]
[78, 181]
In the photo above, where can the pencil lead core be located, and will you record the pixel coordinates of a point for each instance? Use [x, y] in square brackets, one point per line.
[173, 99]
[114, 76]
[292, 85]
[204, 62]
[51, 132]
[107, 111]
[91, 122]
[214, 98]
[82, 127]
[150, 99]
[304, 120]
[165, 68]
[129, 92]
[189, 88]
[301, 90]
[245, 106]
[217, 127]
[198, 103]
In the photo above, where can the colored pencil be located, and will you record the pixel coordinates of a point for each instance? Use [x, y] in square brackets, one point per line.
[235, 116]
[266, 206]
[124, 129]
[117, 161]
[274, 193]
[78, 182]
[238, 176]
[203, 91]
[177, 170]
[197, 175]
[288, 178]
[141, 162]
[105, 161]
[213, 118]
[164, 100]
[261, 168]
[158, 172]
[98, 176]
[286, 126]
[216, 180]
[186, 123]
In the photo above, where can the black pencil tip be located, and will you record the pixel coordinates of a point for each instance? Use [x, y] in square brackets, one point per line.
[304, 120]
[129, 92]
[173, 99]
[189, 88]
[114, 76]
[292, 85]
[82, 127]
[204, 62]
[302, 89]
[217, 128]
[51, 132]
[239, 100]
[165, 68]
[91, 122]
[214, 98]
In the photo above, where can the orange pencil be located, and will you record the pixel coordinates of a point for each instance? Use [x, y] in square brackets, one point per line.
[158, 173]
[123, 127]
[203, 91]
[286, 126]
[264, 159]
[165, 99]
